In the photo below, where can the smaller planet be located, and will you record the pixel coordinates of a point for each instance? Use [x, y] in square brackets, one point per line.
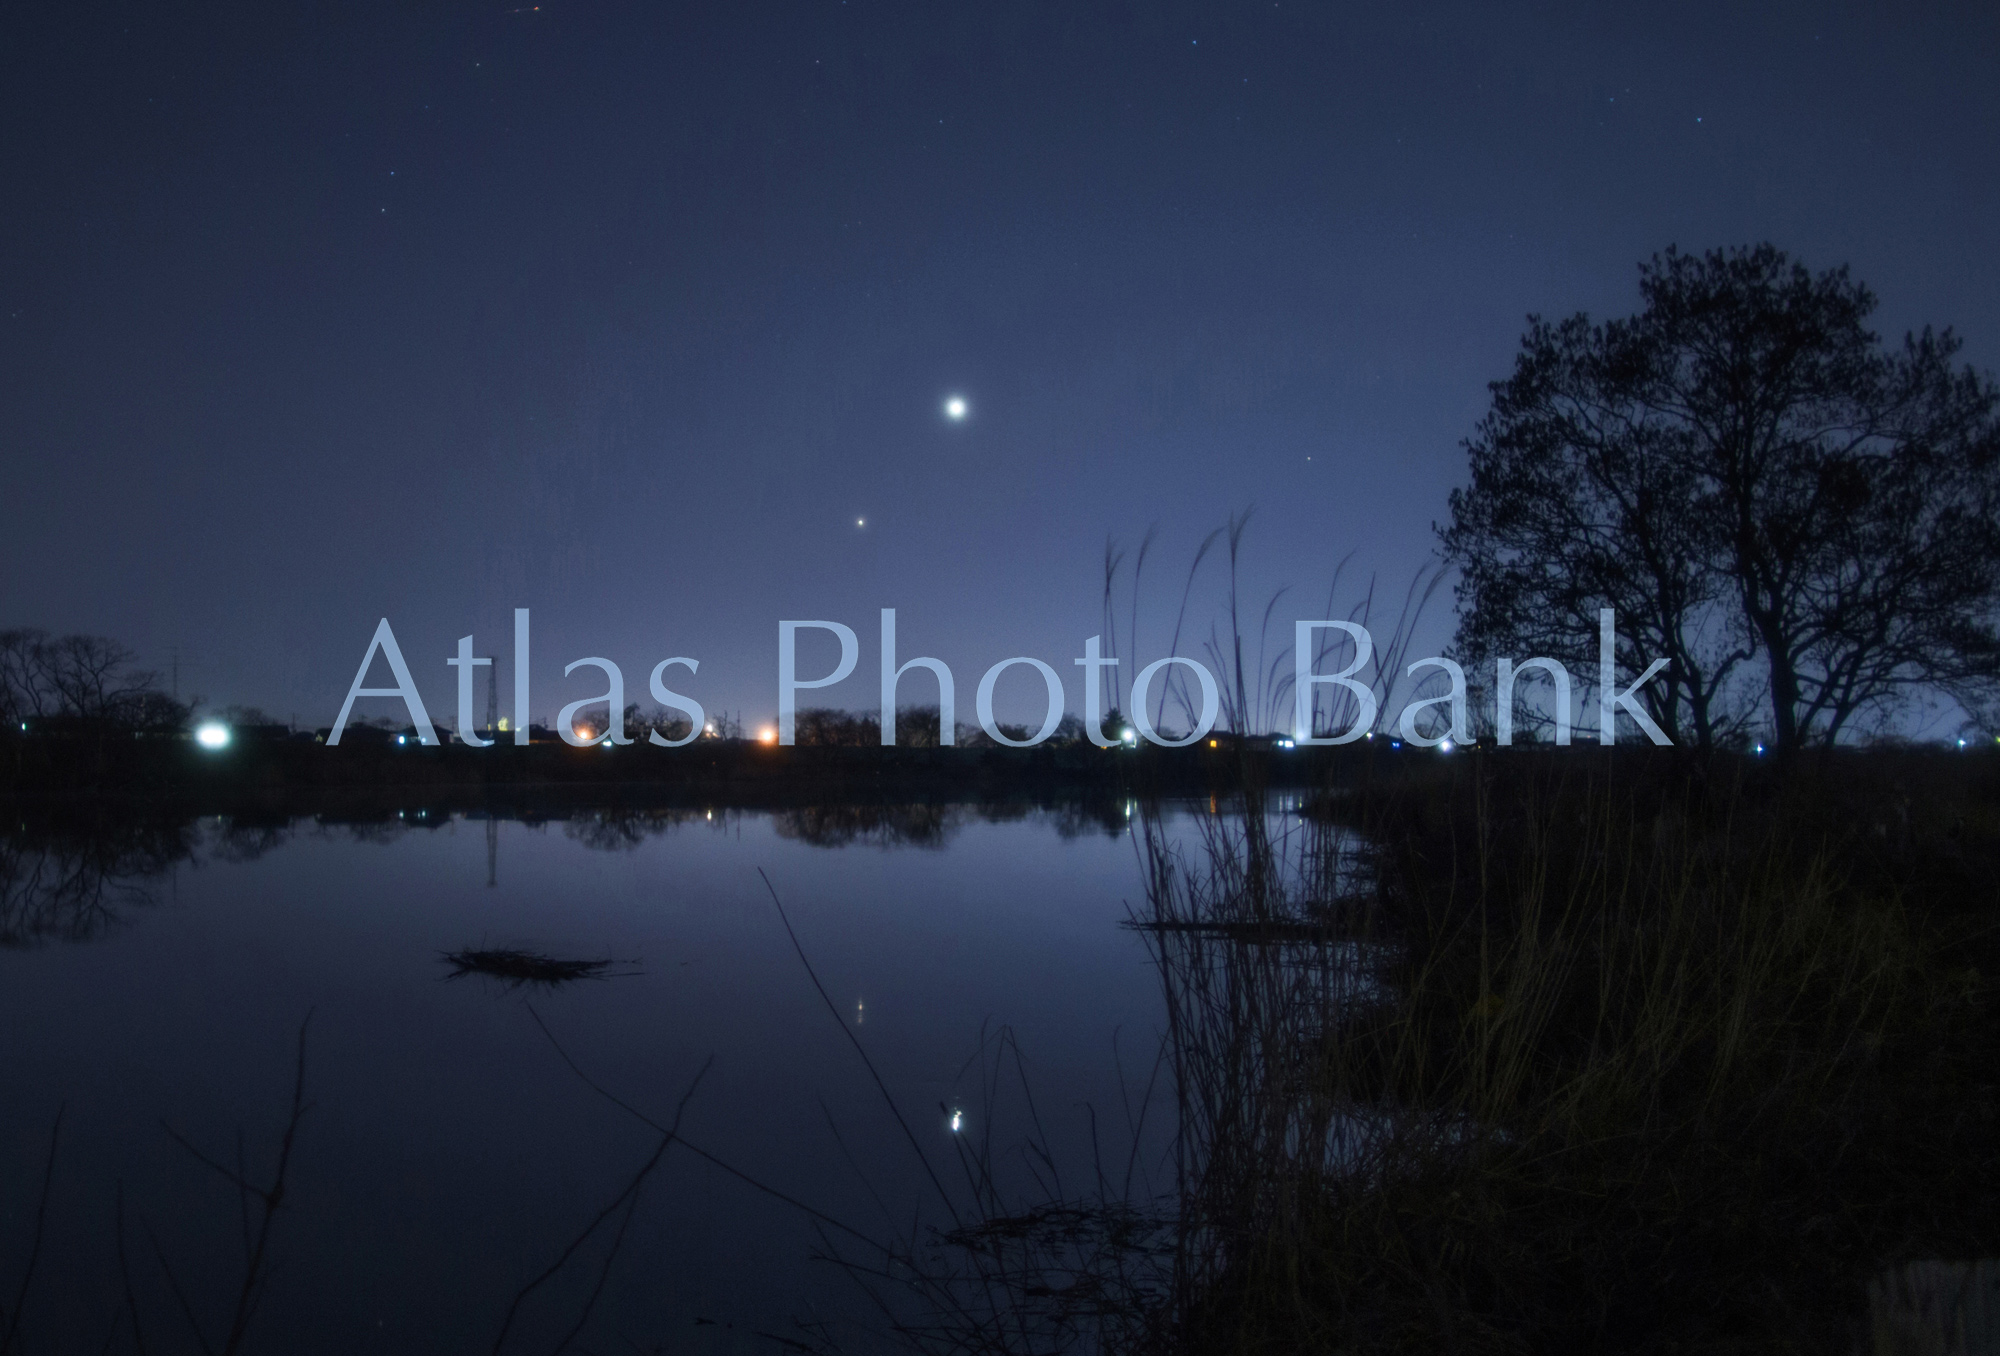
[955, 409]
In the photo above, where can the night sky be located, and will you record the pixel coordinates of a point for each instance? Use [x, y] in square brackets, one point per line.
[644, 317]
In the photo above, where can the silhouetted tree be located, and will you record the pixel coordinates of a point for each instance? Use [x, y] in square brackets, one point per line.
[1769, 497]
[81, 678]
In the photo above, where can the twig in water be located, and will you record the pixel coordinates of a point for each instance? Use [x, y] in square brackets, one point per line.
[34, 1252]
[629, 1198]
[271, 1197]
[691, 1147]
[125, 1274]
[855, 1041]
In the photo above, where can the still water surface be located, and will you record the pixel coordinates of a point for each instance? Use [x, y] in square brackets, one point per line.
[449, 1155]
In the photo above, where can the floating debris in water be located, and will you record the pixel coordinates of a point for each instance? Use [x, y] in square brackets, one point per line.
[523, 967]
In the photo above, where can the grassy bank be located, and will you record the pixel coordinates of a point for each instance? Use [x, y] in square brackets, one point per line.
[1582, 1055]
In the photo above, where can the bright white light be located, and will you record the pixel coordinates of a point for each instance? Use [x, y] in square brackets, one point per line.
[1288, 743]
[1131, 736]
[209, 736]
[957, 1121]
[955, 409]
[1760, 748]
[1445, 746]
[401, 740]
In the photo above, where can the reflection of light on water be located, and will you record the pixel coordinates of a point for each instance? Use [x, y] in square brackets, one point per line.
[859, 1012]
[957, 1121]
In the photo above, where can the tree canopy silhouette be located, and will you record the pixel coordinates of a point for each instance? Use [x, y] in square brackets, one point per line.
[1804, 521]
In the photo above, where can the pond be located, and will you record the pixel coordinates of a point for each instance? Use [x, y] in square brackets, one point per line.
[156, 985]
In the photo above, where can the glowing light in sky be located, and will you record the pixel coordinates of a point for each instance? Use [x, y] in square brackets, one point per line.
[955, 409]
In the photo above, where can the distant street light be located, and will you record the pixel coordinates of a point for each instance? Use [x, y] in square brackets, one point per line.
[213, 735]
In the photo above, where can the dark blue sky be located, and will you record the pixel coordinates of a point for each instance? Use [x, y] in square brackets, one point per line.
[314, 314]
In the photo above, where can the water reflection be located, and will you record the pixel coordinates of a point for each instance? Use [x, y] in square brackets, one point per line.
[452, 1152]
[77, 882]
[838, 826]
[625, 828]
[311, 918]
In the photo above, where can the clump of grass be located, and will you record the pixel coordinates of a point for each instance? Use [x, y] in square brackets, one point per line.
[1588, 1065]
[516, 968]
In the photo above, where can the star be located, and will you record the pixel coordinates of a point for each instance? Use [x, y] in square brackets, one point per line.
[955, 409]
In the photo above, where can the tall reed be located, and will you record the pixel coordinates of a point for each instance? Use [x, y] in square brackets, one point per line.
[1556, 1063]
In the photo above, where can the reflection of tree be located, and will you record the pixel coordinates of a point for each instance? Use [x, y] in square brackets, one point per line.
[1081, 819]
[624, 828]
[236, 841]
[883, 826]
[77, 886]
[381, 831]
[383, 828]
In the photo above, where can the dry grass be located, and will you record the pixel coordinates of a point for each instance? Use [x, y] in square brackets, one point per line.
[515, 968]
[1588, 1065]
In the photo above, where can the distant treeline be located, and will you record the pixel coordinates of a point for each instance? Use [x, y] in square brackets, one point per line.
[918, 727]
